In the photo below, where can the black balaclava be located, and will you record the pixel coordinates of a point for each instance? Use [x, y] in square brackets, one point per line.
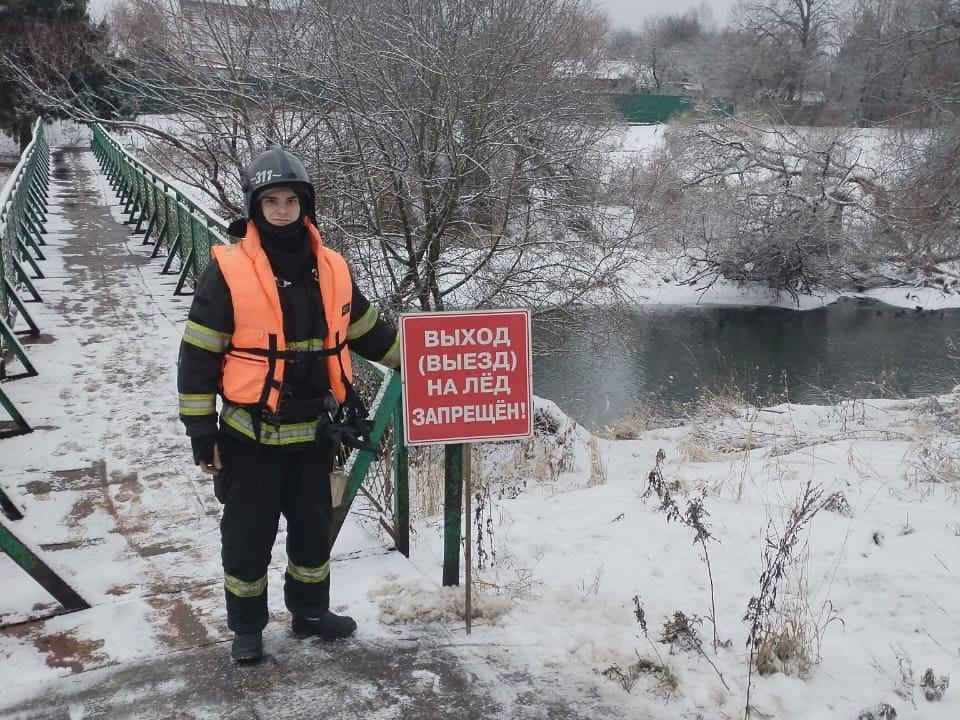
[287, 246]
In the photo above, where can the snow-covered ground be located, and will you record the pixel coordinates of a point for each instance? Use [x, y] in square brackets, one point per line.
[109, 493]
[869, 594]
[568, 531]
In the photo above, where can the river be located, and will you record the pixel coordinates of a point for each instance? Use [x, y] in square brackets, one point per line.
[669, 358]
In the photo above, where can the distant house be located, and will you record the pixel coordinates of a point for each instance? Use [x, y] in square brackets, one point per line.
[682, 87]
[622, 76]
[811, 97]
[209, 22]
[632, 76]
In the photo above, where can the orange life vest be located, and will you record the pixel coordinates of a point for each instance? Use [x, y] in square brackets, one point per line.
[253, 364]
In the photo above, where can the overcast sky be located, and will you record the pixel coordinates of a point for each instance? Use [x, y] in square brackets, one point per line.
[631, 13]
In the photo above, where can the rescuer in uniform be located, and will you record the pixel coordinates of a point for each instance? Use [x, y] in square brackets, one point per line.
[270, 329]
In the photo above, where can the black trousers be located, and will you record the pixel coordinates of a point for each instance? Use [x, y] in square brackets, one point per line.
[256, 485]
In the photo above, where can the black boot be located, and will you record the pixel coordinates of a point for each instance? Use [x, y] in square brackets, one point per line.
[247, 647]
[328, 626]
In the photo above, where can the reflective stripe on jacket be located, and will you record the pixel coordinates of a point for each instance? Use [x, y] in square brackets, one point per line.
[258, 342]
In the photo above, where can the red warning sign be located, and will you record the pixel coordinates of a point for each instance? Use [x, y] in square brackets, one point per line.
[466, 376]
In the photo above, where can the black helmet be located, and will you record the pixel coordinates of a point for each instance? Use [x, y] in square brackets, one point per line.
[275, 167]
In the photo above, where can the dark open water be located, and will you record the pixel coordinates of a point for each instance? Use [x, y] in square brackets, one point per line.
[669, 357]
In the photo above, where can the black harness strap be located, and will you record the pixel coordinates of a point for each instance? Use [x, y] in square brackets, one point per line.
[353, 400]
[274, 354]
[353, 403]
[271, 383]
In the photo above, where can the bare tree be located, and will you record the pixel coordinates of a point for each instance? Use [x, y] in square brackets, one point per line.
[215, 69]
[899, 61]
[793, 38]
[775, 206]
[58, 49]
[199, 63]
[464, 149]
[900, 64]
[667, 52]
[459, 151]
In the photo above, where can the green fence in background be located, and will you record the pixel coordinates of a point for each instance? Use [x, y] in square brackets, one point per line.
[23, 215]
[642, 109]
[176, 225]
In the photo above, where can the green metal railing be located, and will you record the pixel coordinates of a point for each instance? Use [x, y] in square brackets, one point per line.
[168, 219]
[174, 224]
[383, 481]
[23, 214]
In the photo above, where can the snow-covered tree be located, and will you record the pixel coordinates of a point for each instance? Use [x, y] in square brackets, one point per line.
[463, 145]
[779, 207]
[457, 146]
[791, 40]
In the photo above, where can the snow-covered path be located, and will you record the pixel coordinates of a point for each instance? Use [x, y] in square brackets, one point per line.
[102, 478]
[113, 503]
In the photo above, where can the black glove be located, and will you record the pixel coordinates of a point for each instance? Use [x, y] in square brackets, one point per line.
[356, 435]
[203, 446]
[352, 432]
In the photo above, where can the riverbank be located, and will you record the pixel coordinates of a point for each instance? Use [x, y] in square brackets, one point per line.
[656, 275]
[724, 292]
[605, 581]
[668, 280]
[673, 253]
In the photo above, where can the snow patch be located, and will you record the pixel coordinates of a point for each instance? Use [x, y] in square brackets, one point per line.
[411, 601]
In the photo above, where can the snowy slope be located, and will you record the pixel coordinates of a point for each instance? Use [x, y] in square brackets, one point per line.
[873, 583]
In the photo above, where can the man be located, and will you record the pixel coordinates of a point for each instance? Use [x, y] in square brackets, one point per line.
[270, 329]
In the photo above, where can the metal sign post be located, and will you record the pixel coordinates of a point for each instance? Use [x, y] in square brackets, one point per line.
[452, 507]
[467, 549]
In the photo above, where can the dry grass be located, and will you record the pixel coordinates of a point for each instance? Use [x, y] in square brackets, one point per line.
[787, 650]
[943, 416]
[681, 632]
[777, 625]
[426, 481]
[790, 643]
[692, 450]
[598, 468]
[541, 462]
[933, 461]
[727, 439]
[725, 402]
[510, 581]
[664, 681]
[544, 457]
[632, 426]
